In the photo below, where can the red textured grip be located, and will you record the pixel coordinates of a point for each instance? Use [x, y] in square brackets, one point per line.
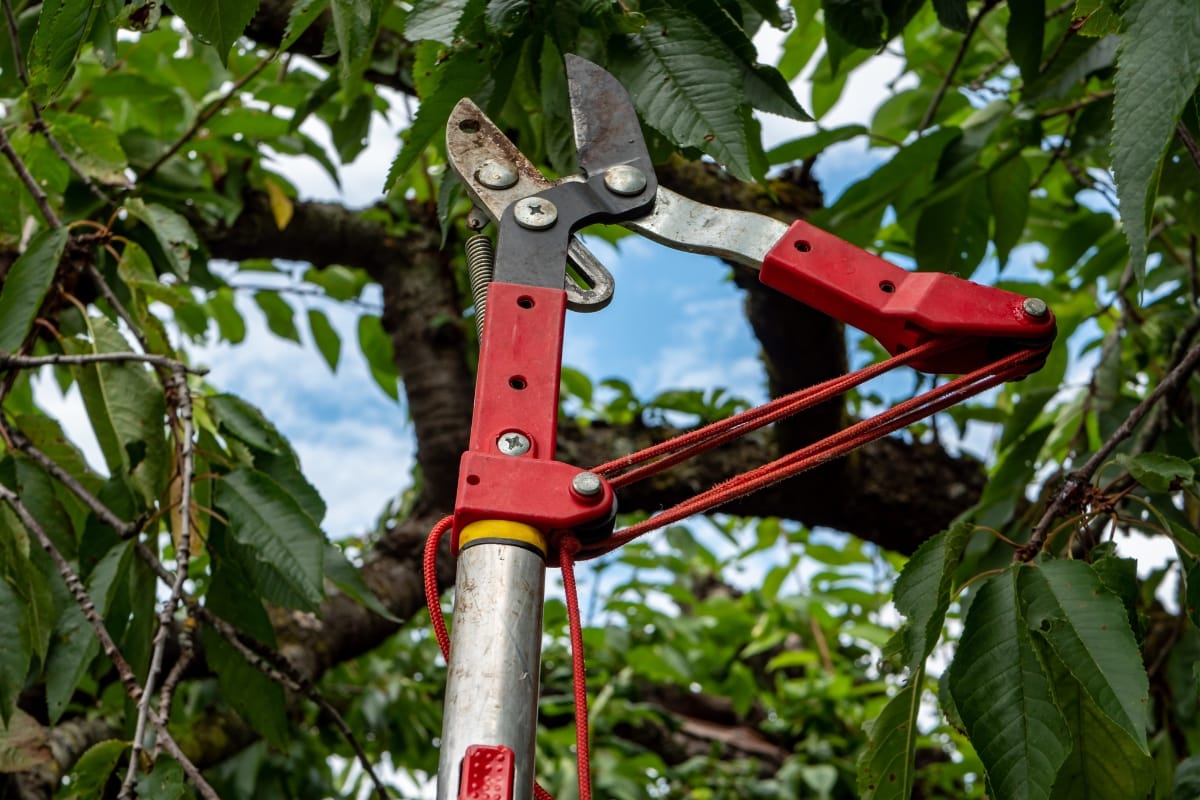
[900, 308]
[487, 773]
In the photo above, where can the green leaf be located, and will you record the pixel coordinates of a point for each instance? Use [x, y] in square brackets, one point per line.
[229, 320]
[1024, 34]
[376, 347]
[340, 283]
[1104, 763]
[17, 651]
[922, 592]
[810, 146]
[1008, 191]
[127, 409]
[26, 284]
[1101, 17]
[439, 19]
[862, 24]
[1067, 606]
[24, 743]
[217, 22]
[257, 699]
[1187, 779]
[91, 771]
[93, 146]
[885, 768]
[286, 542]
[576, 384]
[62, 30]
[172, 230]
[1151, 92]
[303, 14]
[346, 577]
[327, 340]
[355, 25]
[236, 417]
[1158, 472]
[461, 75]
[681, 78]
[164, 781]
[952, 14]
[281, 319]
[952, 234]
[1002, 694]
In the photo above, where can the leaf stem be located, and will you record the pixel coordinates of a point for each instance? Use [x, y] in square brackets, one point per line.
[958, 59]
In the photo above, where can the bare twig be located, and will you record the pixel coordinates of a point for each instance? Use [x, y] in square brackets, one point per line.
[107, 293]
[205, 115]
[1075, 482]
[31, 184]
[1189, 143]
[124, 671]
[179, 395]
[958, 59]
[15, 38]
[1071, 108]
[62, 359]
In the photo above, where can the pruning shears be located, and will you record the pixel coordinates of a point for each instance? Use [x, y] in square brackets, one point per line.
[513, 496]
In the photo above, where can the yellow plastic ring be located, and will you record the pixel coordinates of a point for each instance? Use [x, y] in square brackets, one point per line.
[502, 531]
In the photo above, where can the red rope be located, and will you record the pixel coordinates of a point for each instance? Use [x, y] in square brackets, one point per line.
[637, 466]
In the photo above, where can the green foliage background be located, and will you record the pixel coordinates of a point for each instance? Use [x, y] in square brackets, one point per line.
[134, 135]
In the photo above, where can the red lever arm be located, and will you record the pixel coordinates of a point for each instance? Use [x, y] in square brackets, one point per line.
[902, 309]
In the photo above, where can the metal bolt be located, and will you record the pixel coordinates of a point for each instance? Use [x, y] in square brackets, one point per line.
[512, 443]
[535, 213]
[496, 174]
[587, 484]
[1035, 307]
[625, 180]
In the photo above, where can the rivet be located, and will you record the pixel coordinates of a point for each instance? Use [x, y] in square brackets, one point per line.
[1035, 307]
[496, 174]
[625, 180]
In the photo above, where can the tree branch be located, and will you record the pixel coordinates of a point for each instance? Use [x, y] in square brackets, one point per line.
[930, 112]
[31, 184]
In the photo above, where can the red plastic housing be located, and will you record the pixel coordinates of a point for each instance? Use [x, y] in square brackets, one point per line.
[487, 773]
[899, 308]
[516, 392]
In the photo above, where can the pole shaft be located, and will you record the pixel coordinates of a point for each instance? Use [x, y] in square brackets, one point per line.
[495, 661]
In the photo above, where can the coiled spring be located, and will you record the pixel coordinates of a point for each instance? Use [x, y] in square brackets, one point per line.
[481, 262]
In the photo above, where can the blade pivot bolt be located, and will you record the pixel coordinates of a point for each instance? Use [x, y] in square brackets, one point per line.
[625, 180]
[496, 174]
[512, 443]
[535, 213]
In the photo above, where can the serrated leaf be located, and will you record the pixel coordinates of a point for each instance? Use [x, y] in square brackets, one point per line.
[26, 284]
[1008, 192]
[329, 344]
[287, 544]
[1158, 471]
[172, 230]
[281, 318]
[1066, 606]
[346, 577]
[922, 592]
[24, 743]
[91, 771]
[1104, 763]
[886, 768]
[439, 19]
[17, 651]
[237, 418]
[681, 79]
[62, 30]
[259, 700]
[355, 25]
[303, 14]
[126, 407]
[217, 22]
[1151, 91]
[93, 146]
[461, 75]
[376, 348]
[1002, 694]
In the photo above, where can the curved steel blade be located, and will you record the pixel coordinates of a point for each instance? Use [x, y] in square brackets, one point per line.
[473, 140]
[607, 131]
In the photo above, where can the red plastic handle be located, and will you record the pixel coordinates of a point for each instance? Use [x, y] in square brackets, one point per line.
[899, 308]
[487, 773]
